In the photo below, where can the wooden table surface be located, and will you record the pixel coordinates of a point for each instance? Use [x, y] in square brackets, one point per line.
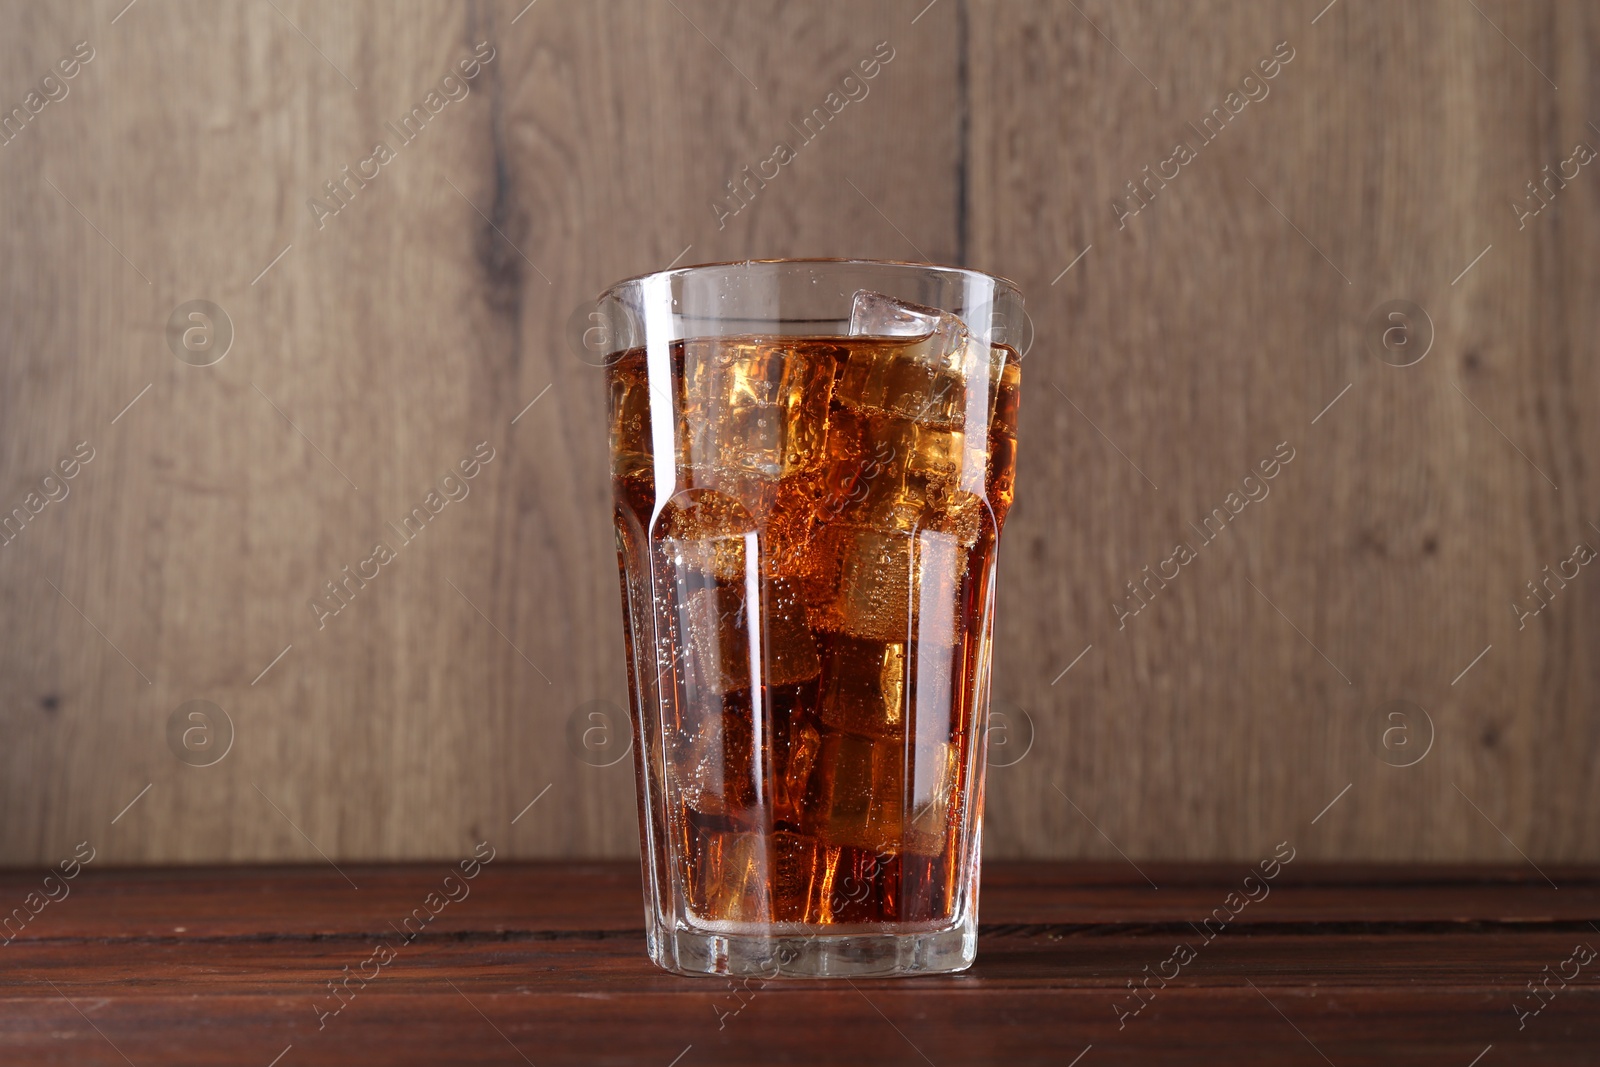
[545, 964]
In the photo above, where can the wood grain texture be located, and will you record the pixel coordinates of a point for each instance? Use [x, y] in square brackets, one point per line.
[392, 338]
[546, 964]
[1219, 321]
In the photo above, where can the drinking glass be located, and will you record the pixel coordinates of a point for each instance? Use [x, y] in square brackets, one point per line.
[812, 461]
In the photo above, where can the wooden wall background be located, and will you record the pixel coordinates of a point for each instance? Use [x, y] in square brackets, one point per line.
[1176, 352]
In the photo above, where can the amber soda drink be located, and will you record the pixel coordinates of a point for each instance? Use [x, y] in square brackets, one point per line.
[812, 462]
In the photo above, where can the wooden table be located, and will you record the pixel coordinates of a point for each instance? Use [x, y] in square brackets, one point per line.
[545, 964]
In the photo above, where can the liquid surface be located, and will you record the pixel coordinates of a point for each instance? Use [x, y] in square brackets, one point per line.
[808, 616]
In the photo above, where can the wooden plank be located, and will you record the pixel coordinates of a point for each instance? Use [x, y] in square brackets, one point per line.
[231, 966]
[421, 319]
[1231, 313]
[372, 353]
[241, 902]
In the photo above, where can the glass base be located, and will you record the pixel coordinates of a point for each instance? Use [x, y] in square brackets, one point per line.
[867, 952]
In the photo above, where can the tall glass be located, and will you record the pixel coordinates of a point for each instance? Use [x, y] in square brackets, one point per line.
[812, 461]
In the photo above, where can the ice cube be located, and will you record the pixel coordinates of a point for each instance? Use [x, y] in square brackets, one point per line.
[856, 794]
[933, 452]
[962, 515]
[863, 885]
[790, 524]
[706, 532]
[921, 378]
[896, 379]
[863, 686]
[862, 582]
[796, 756]
[733, 885]
[788, 649]
[858, 467]
[721, 653]
[754, 411]
[858, 799]
[801, 869]
[713, 759]
[868, 582]
[876, 315]
[714, 632]
[900, 472]
[707, 551]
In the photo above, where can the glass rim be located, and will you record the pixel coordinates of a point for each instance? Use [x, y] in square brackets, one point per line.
[935, 268]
